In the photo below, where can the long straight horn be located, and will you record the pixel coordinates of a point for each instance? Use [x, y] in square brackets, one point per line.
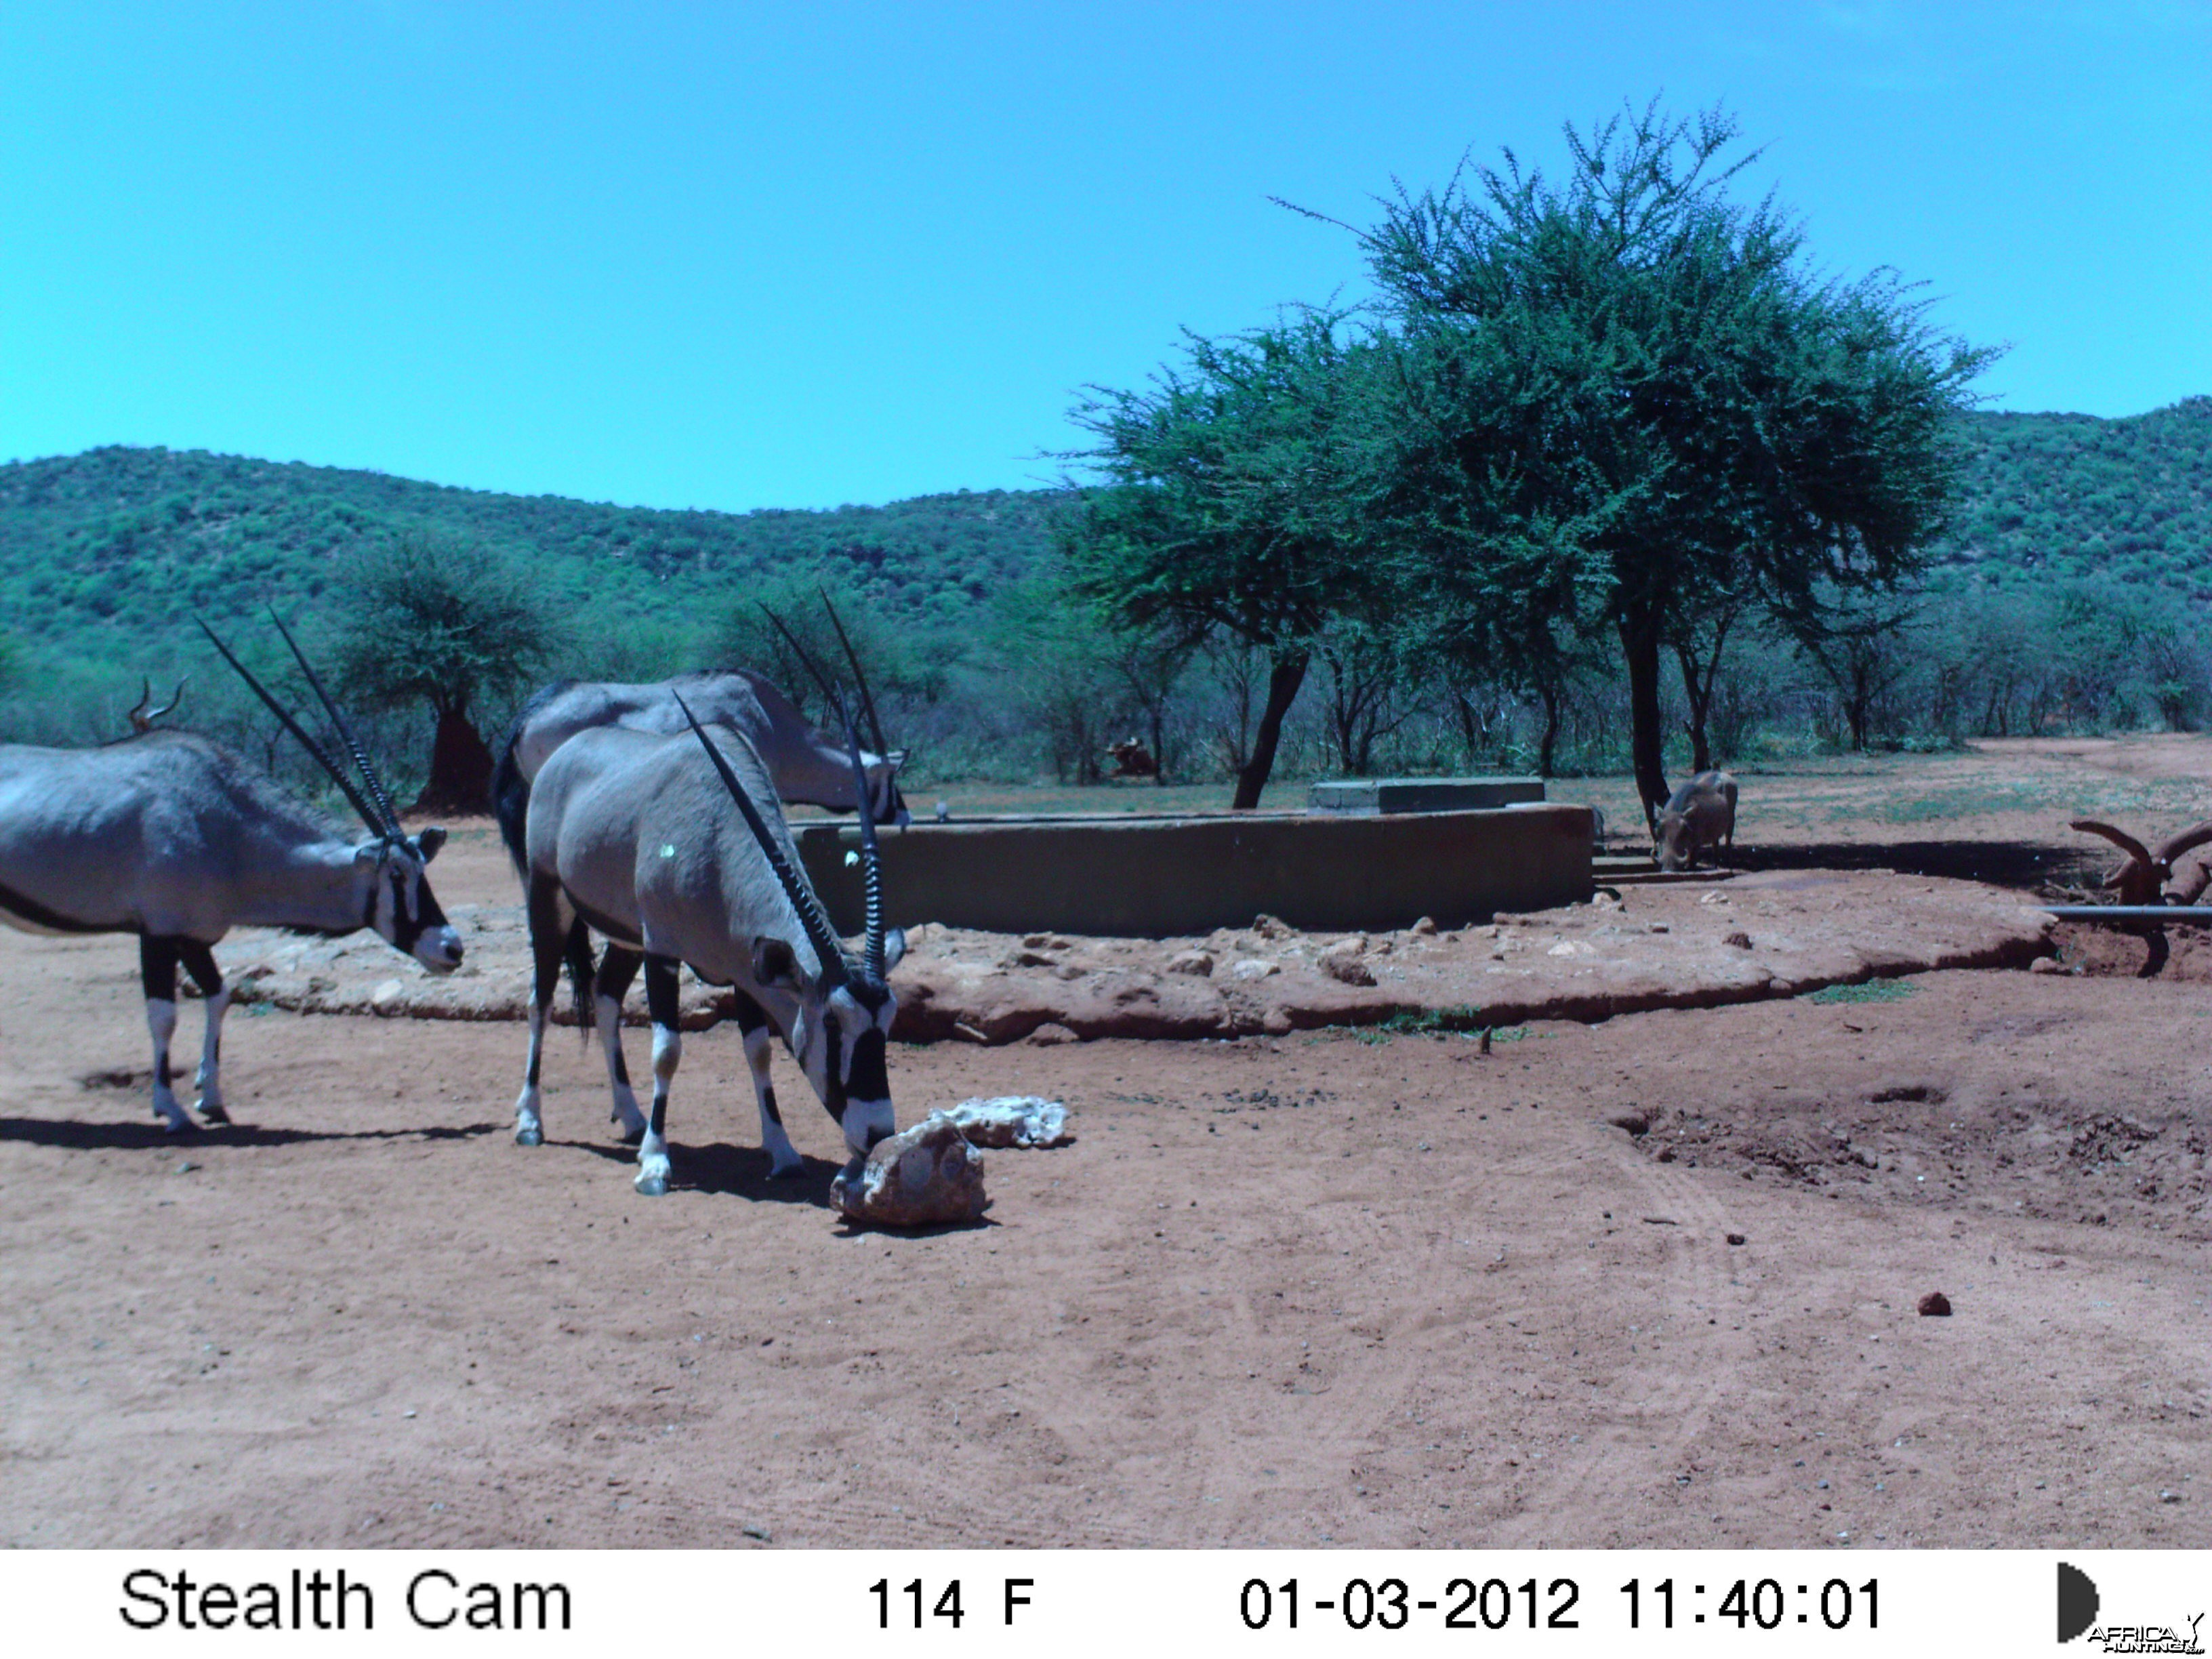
[819, 933]
[368, 814]
[867, 703]
[390, 825]
[871, 862]
[806, 657]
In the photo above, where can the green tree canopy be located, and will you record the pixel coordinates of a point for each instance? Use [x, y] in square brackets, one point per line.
[1235, 499]
[436, 622]
[1629, 377]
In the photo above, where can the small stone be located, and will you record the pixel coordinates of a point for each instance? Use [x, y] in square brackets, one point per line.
[1741, 940]
[1050, 1036]
[2046, 965]
[760, 1533]
[1936, 1305]
[1636, 1123]
[1198, 964]
[2169, 1496]
[1253, 967]
[1737, 1239]
[923, 1176]
[1277, 1021]
[186, 1168]
[1346, 967]
[1273, 928]
[1426, 925]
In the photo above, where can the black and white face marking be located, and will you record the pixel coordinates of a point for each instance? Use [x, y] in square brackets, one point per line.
[400, 904]
[841, 1044]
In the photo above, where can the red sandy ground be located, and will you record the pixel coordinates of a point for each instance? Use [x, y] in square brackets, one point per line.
[1313, 1288]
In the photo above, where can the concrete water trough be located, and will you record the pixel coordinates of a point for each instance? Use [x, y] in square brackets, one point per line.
[1167, 878]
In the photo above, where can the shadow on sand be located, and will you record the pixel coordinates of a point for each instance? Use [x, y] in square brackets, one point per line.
[2023, 865]
[724, 1170]
[77, 1135]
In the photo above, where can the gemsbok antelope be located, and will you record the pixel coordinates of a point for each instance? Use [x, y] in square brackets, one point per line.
[804, 765]
[175, 838]
[630, 834]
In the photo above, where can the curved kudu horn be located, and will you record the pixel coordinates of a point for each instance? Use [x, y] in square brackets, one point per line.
[368, 814]
[170, 706]
[2187, 841]
[140, 721]
[860, 680]
[2136, 852]
[345, 731]
[819, 933]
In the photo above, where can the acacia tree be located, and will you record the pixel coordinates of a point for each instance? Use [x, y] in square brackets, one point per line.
[1631, 361]
[1233, 502]
[427, 621]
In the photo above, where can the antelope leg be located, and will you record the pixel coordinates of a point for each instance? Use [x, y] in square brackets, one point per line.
[783, 1158]
[157, 972]
[617, 968]
[547, 942]
[662, 1003]
[199, 962]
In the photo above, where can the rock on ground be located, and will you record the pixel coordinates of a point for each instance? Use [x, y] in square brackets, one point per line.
[924, 1176]
[1693, 945]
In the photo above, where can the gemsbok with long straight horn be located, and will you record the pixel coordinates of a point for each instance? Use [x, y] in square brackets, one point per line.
[631, 835]
[175, 838]
[804, 765]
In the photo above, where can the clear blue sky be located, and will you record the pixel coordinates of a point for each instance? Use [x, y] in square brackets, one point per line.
[740, 256]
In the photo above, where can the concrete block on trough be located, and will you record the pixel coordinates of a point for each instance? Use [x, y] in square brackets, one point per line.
[1369, 797]
[1183, 878]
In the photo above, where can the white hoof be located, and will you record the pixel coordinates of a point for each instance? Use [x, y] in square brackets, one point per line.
[650, 1185]
[529, 1134]
[790, 1170]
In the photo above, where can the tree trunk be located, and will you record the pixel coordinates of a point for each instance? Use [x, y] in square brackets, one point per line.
[1283, 679]
[1639, 641]
[1546, 749]
[461, 769]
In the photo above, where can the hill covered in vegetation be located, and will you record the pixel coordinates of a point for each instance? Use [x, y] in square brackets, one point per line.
[101, 552]
[2071, 497]
[2065, 523]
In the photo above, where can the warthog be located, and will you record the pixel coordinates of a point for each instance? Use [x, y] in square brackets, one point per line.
[1700, 815]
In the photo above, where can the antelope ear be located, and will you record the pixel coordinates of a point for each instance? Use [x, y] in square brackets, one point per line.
[429, 841]
[774, 965]
[894, 948]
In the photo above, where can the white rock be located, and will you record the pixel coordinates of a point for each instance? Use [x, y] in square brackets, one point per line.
[1012, 1120]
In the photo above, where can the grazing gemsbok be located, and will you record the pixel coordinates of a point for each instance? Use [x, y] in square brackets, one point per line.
[631, 835]
[802, 764]
[176, 839]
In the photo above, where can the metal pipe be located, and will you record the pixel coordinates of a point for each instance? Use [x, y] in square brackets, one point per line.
[2201, 915]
